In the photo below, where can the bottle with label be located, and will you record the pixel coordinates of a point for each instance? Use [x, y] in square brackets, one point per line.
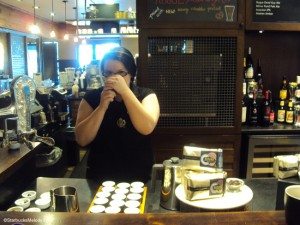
[259, 80]
[249, 71]
[272, 113]
[244, 111]
[297, 90]
[297, 115]
[289, 118]
[266, 110]
[253, 112]
[283, 89]
[75, 89]
[281, 112]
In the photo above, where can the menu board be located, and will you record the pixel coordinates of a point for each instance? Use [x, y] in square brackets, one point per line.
[276, 10]
[17, 55]
[192, 10]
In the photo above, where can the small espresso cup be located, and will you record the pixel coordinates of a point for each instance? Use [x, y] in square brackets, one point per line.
[292, 204]
[64, 199]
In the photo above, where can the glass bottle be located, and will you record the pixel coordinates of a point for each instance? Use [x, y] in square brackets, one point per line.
[253, 112]
[289, 117]
[244, 111]
[244, 103]
[283, 89]
[281, 112]
[266, 110]
[259, 80]
[297, 115]
[249, 74]
[272, 113]
[297, 90]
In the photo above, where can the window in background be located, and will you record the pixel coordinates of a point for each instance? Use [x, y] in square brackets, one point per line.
[32, 59]
[101, 49]
[85, 54]
[1, 57]
[95, 50]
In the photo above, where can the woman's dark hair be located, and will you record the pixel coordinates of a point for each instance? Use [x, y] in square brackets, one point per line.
[124, 56]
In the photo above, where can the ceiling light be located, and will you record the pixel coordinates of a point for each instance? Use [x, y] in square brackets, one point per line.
[52, 33]
[66, 36]
[76, 16]
[34, 28]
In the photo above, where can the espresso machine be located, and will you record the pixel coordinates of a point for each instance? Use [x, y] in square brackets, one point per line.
[55, 104]
[16, 118]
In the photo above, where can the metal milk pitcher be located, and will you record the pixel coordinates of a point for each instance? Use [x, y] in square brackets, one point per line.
[171, 179]
[64, 199]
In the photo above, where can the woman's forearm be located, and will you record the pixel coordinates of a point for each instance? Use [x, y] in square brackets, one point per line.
[87, 129]
[144, 117]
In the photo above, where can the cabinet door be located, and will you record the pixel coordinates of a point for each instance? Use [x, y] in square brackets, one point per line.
[195, 76]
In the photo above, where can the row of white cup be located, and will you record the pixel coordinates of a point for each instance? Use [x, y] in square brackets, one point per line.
[113, 30]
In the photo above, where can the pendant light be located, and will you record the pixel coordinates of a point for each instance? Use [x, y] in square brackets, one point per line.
[76, 15]
[66, 36]
[34, 28]
[52, 33]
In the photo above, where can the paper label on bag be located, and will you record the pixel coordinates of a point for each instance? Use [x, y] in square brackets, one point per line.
[211, 159]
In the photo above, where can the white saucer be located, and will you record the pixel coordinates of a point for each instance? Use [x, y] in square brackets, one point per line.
[230, 200]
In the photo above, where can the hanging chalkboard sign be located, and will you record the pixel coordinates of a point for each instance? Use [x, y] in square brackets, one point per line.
[276, 11]
[192, 10]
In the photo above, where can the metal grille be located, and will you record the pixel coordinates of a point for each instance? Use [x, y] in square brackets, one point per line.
[194, 78]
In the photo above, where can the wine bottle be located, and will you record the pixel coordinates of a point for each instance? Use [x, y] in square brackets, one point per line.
[244, 103]
[266, 110]
[244, 111]
[284, 89]
[281, 112]
[249, 74]
[272, 113]
[259, 80]
[253, 112]
[289, 118]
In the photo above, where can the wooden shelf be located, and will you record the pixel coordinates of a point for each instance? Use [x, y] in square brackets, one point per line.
[108, 35]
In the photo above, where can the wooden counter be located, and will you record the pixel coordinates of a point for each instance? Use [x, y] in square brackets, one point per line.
[12, 160]
[17, 170]
[225, 218]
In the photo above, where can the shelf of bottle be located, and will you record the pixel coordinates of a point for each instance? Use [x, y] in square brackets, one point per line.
[109, 35]
[273, 129]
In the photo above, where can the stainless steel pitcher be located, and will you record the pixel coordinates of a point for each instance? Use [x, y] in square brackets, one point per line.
[171, 179]
[64, 199]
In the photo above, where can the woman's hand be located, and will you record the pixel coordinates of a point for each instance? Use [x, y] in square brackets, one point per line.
[117, 83]
[107, 96]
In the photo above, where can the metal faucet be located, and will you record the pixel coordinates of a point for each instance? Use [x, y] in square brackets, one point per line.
[5, 141]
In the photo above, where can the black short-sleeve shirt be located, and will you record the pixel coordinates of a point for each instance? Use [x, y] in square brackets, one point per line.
[119, 152]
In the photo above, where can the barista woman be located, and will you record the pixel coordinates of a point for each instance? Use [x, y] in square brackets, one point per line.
[115, 122]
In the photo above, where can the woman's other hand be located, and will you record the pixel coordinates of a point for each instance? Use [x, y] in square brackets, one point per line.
[107, 96]
[117, 83]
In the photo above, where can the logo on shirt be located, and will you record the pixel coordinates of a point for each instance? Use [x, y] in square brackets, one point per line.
[121, 123]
